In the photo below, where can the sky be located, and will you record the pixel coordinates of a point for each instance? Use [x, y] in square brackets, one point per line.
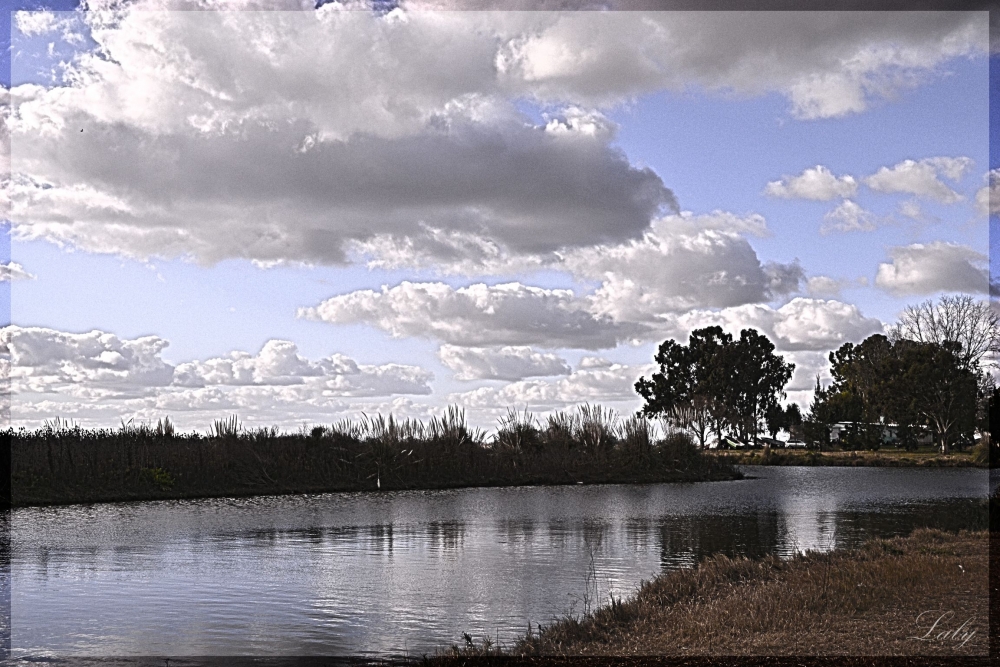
[304, 215]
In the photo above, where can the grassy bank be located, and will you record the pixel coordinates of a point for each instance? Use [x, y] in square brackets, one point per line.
[867, 601]
[590, 445]
[884, 457]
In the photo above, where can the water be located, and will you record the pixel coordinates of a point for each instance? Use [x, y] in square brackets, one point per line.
[407, 572]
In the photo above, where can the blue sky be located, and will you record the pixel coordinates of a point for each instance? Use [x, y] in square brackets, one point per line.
[574, 216]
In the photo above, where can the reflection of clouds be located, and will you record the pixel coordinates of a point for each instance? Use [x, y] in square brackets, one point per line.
[385, 573]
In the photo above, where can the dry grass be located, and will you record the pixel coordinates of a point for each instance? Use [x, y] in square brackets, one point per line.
[860, 602]
[882, 458]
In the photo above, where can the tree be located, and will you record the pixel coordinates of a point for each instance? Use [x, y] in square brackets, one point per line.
[687, 389]
[757, 377]
[933, 383]
[908, 383]
[715, 382]
[973, 324]
[777, 418]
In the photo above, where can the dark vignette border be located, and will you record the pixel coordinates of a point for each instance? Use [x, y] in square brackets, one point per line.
[993, 6]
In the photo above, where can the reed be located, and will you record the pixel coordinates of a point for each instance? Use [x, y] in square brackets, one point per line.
[63, 463]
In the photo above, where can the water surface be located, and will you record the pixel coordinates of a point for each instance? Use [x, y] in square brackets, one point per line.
[407, 572]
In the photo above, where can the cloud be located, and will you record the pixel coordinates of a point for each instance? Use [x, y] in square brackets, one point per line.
[500, 363]
[402, 134]
[847, 217]
[922, 178]
[44, 359]
[827, 65]
[101, 365]
[821, 286]
[801, 324]
[988, 196]
[683, 262]
[310, 135]
[817, 183]
[596, 380]
[477, 315]
[13, 271]
[925, 268]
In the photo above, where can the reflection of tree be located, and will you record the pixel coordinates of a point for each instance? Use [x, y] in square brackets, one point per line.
[446, 534]
[380, 537]
[685, 540]
[516, 530]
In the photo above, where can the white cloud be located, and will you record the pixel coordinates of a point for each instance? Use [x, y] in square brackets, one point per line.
[32, 23]
[922, 178]
[817, 183]
[683, 262]
[925, 268]
[44, 359]
[847, 217]
[500, 363]
[98, 375]
[477, 315]
[13, 271]
[593, 383]
[213, 147]
[823, 286]
[309, 135]
[801, 324]
[988, 196]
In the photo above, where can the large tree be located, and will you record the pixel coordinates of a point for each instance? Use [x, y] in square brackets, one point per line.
[715, 382]
[962, 319]
[687, 389]
[757, 378]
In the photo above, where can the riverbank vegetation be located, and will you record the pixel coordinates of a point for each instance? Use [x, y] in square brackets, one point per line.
[62, 464]
[881, 599]
[925, 457]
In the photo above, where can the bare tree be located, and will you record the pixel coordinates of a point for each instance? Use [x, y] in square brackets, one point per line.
[974, 324]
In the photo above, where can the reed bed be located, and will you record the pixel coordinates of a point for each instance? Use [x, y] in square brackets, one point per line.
[62, 463]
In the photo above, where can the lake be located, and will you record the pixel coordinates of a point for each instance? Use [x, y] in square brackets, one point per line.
[406, 573]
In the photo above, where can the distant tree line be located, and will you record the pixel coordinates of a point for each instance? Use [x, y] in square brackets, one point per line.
[930, 374]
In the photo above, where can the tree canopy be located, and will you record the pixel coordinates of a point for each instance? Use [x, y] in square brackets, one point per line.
[908, 383]
[716, 382]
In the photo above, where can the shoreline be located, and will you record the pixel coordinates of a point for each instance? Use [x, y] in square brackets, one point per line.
[872, 600]
[713, 476]
[886, 459]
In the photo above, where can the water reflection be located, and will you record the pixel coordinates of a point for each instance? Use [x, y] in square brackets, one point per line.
[410, 571]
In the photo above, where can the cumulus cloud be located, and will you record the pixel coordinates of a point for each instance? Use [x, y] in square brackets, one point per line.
[801, 324]
[309, 135]
[683, 262]
[922, 178]
[401, 132]
[848, 217]
[101, 376]
[13, 271]
[500, 363]
[279, 363]
[477, 315]
[596, 380]
[925, 268]
[43, 359]
[817, 183]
